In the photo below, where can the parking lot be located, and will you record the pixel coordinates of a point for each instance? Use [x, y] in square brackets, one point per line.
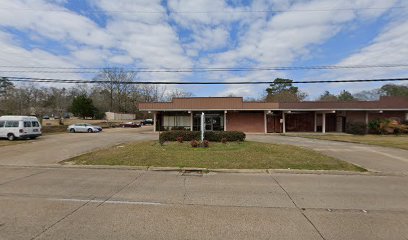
[51, 149]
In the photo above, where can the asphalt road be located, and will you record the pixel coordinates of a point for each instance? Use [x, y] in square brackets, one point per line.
[68, 203]
[374, 158]
[51, 149]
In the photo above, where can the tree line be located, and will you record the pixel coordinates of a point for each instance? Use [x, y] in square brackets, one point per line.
[112, 95]
[282, 90]
[115, 95]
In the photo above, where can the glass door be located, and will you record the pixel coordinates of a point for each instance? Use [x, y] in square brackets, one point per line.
[213, 121]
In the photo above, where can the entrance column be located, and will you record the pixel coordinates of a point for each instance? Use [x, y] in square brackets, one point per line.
[315, 122]
[225, 120]
[265, 120]
[323, 122]
[283, 123]
[154, 121]
[191, 120]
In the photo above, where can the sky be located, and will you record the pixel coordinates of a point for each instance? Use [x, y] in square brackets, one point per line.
[194, 34]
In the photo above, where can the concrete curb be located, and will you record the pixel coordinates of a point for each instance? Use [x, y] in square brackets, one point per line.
[239, 170]
[145, 168]
[222, 170]
[318, 172]
[164, 169]
[206, 170]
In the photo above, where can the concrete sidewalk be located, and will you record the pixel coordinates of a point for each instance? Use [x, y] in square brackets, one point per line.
[378, 159]
[60, 203]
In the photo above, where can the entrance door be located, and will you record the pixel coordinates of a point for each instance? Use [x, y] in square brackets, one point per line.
[213, 122]
[273, 124]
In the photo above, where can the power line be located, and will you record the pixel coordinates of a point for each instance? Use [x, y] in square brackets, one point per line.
[195, 69]
[206, 12]
[54, 80]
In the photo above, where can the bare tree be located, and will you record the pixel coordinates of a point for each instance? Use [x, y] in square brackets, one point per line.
[178, 93]
[117, 87]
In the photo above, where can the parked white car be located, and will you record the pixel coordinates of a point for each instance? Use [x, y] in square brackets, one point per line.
[13, 127]
[84, 127]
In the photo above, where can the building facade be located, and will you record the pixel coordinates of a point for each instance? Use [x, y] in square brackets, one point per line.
[234, 114]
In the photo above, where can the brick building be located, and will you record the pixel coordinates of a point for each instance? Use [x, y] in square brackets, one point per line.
[234, 114]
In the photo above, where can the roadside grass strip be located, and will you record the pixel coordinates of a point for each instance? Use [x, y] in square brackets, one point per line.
[232, 155]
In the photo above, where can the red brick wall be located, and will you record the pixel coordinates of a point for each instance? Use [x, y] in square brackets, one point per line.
[359, 116]
[246, 122]
[355, 116]
[387, 114]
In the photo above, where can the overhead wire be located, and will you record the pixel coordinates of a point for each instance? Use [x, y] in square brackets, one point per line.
[96, 81]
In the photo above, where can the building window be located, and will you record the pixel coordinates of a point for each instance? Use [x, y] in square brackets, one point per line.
[214, 121]
[175, 121]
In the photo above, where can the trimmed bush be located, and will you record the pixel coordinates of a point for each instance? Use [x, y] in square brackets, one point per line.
[194, 143]
[230, 136]
[180, 139]
[206, 143]
[224, 140]
[173, 135]
[358, 128]
[212, 136]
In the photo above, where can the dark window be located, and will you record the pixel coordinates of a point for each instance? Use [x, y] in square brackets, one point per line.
[1, 123]
[35, 124]
[27, 124]
[11, 124]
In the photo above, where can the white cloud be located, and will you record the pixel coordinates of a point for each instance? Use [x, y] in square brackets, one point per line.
[144, 33]
[52, 21]
[290, 35]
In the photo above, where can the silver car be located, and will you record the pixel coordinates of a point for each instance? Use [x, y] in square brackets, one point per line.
[84, 127]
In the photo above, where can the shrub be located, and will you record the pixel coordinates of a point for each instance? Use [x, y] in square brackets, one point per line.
[358, 128]
[387, 126]
[224, 140]
[374, 126]
[206, 143]
[194, 143]
[173, 135]
[230, 136]
[179, 139]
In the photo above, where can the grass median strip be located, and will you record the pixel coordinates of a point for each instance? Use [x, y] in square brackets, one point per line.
[244, 155]
[392, 141]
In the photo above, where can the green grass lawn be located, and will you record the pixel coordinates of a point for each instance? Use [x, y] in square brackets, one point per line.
[246, 155]
[393, 141]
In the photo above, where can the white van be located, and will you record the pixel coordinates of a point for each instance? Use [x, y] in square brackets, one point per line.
[12, 127]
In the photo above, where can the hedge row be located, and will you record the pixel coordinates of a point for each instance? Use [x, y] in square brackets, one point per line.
[230, 136]
[357, 128]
